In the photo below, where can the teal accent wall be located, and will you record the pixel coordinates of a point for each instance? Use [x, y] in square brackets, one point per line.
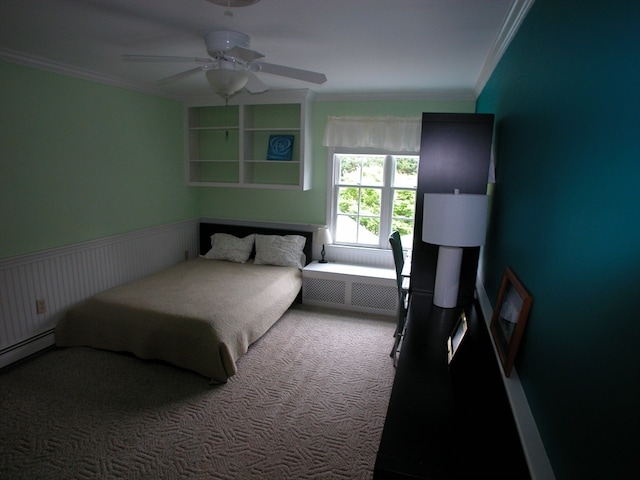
[565, 216]
[81, 160]
[310, 206]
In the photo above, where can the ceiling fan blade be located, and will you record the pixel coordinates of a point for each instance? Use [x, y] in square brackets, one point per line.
[178, 76]
[255, 85]
[243, 54]
[305, 75]
[165, 58]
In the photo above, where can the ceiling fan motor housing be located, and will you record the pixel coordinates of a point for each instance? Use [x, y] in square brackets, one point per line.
[221, 41]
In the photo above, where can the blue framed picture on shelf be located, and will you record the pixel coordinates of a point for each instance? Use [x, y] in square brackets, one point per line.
[280, 147]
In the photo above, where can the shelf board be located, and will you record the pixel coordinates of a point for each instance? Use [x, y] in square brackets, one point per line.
[272, 129]
[215, 128]
[293, 162]
[204, 160]
[272, 186]
[268, 186]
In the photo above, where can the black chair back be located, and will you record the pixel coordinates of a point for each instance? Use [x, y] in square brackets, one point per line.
[398, 255]
[398, 260]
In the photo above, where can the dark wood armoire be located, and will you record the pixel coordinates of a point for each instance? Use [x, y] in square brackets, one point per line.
[455, 152]
[448, 419]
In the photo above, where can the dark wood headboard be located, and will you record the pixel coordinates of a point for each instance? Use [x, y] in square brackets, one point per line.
[208, 229]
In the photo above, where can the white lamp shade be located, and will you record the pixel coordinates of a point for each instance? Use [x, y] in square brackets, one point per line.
[454, 220]
[323, 236]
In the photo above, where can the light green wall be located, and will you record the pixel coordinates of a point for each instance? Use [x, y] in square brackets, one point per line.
[81, 160]
[310, 206]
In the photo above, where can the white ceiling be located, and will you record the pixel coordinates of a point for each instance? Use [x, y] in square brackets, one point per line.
[366, 48]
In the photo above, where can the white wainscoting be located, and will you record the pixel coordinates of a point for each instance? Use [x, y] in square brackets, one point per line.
[64, 276]
[371, 257]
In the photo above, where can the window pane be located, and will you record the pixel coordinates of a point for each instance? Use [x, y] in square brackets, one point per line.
[373, 170]
[405, 228]
[369, 230]
[404, 204]
[346, 229]
[350, 230]
[406, 171]
[350, 170]
[370, 199]
[348, 200]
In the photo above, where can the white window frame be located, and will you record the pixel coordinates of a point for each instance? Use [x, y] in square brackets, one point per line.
[386, 196]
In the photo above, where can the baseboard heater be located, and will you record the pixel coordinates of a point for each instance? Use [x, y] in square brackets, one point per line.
[27, 347]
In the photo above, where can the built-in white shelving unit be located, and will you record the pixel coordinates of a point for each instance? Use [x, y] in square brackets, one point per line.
[226, 144]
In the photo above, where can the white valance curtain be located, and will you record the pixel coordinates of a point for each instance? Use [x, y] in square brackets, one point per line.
[394, 134]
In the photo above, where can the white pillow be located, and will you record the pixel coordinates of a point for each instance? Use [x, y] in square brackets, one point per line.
[230, 248]
[286, 251]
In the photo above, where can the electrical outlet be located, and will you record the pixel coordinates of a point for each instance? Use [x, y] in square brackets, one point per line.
[41, 306]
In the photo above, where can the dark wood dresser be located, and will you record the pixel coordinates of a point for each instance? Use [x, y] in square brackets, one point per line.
[448, 420]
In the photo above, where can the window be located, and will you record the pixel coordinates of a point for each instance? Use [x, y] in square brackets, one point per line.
[373, 194]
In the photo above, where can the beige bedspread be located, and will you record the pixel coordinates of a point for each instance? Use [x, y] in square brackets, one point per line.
[201, 314]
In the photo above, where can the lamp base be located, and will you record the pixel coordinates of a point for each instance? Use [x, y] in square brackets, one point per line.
[322, 260]
[445, 294]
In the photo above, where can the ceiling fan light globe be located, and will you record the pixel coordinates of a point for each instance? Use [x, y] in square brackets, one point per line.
[227, 82]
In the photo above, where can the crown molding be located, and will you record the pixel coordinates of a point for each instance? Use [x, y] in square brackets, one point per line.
[512, 22]
[417, 96]
[63, 69]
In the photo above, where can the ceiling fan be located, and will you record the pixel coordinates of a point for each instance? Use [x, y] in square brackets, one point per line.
[231, 65]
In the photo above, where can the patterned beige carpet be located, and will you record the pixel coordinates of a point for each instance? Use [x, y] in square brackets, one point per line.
[308, 401]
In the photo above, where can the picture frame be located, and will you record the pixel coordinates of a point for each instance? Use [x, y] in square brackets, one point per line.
[280, 147]
[509, 318]
[457, 336]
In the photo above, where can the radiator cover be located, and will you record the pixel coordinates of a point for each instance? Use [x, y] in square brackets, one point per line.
[350, 287]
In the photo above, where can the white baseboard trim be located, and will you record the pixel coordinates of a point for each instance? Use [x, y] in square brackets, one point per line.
[534, 451]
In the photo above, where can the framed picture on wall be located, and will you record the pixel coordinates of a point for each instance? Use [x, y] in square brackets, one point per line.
[509, 318]
[456, 337]
[280, 147]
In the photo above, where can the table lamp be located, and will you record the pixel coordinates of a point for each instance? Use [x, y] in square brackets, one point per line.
[323, 236]
[452, 221]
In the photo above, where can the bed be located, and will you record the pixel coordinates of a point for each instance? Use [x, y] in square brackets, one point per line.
[201, 314]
